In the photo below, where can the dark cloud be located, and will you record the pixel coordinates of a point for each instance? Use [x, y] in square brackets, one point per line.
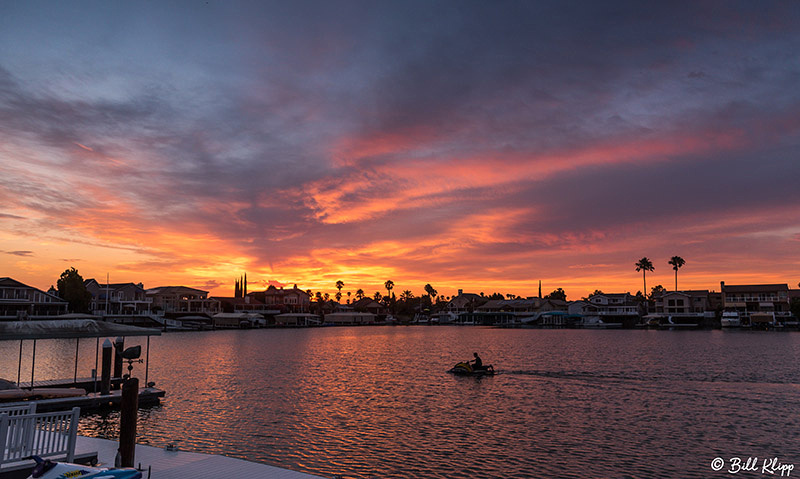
[19, 253]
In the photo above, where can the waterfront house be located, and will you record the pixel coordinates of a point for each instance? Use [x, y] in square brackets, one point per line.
[465, 302]
[369, 305]
[249, 304]
[757, 304]
[20, 301]
[118, 298]
[617, 308]
[182, 299]
[587, 315]
[683, 302]
[520, 310]
[548, 305]
[349, 318]
[293, 300]
[683, 308]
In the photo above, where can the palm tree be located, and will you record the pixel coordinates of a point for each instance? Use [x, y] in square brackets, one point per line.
[431, 291]
[359, 294]
[676, 262]
[389, 284]
[406, 295]
[339, 285]
[644, 265]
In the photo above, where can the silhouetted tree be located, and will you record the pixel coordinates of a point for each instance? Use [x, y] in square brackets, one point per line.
[557, 294]
[377, 296]
[431, 292]
[389, 284]
[677, 262]
[72, 289]
[644, 265]
[359, 294]
[657, 291]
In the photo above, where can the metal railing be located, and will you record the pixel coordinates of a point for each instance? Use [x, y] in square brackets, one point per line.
[50, 434]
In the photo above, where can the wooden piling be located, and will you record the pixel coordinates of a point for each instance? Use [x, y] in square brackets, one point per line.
[119, 346]
[105, 375]
[127, 421]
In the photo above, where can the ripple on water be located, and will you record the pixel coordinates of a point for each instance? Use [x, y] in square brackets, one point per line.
[376, 402]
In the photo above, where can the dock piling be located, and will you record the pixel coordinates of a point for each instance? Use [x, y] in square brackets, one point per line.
[119, 346]
[105, 374]
[127, 422]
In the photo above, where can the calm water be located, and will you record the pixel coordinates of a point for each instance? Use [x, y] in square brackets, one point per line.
[377, 401]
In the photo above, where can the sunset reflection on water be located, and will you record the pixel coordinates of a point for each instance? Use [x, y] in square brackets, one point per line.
[377, 401]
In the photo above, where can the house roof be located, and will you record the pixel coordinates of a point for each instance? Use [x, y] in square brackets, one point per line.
[366, 303]
[110, 285]
[755, 288]
[13, 283]
[273, 291]
[493, 304]
[174, 290]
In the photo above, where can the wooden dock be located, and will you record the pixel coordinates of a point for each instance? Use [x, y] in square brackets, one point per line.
[185, 465]
[87, 384]
[147, 397]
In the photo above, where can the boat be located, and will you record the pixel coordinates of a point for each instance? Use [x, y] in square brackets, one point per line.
[46, 469]
[594, 322]
[730, 319]
[464, 368]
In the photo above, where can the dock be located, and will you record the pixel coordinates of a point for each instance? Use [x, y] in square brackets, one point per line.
[166, 464]
[87, 384]
[147, 397]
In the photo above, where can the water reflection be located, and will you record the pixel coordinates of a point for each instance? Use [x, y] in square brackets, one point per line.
[377, 402]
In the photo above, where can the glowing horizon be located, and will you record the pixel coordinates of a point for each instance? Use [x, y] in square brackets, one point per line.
[477, 147]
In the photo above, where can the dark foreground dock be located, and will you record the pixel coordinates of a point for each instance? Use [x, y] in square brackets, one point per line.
[186, 465]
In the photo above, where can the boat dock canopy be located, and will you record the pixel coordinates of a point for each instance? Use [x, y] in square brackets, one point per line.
[69, 328]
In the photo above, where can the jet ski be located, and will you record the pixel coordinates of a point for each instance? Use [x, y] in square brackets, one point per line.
[47, 469]
[464, 368]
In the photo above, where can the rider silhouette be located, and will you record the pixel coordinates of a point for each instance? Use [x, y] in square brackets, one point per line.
[478, 363]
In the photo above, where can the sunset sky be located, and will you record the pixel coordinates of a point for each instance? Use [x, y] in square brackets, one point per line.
[475, 145]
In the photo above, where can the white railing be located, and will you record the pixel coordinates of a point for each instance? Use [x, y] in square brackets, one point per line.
[18, 410]
[50, 434]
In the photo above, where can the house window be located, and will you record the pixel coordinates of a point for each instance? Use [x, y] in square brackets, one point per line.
[672, 302]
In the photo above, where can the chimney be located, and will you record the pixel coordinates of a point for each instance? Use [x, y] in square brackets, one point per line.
[460, 292]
